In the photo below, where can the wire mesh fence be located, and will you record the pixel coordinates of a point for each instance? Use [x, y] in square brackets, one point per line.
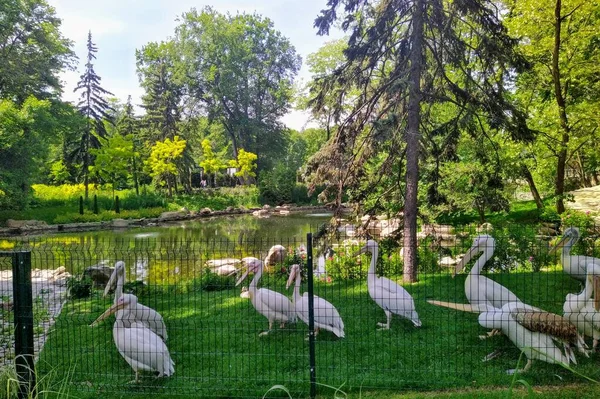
[222, 343]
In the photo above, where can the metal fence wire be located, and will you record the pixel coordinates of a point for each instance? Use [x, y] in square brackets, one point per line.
[217, 342]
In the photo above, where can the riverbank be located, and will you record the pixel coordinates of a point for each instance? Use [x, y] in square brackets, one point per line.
[33, 227]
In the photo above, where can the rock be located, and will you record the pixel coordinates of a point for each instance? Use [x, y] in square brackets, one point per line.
[266, 207]
[205, 211]
[99, 274]
[242, 208]
[261, 213]
[284, 212]
[12, 223]
[60, 270]
[172, 215]
[229, 209]
[120, 223]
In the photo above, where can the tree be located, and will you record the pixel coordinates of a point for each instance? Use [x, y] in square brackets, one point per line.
[95, 108]
[405, 57]
[240, 72]
[32, 49]
[157, 72]
[128, 126]
[24, 138]
[113, 160]
[210, 163]
[561, 91]
[163, 161]
[246, 165]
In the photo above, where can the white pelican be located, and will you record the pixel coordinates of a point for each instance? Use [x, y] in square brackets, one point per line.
[390, 296]
[273, 305]
[134, 312]
[573, 265]
[325, 314]
[479, 289]
[139, 346]
[584, 311]
[275, 255]
[534, 331]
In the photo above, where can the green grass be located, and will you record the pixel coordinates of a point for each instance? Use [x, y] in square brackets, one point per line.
[213, 339]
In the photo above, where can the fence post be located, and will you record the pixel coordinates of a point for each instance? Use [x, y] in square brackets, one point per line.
[311, 317]
[23, 309]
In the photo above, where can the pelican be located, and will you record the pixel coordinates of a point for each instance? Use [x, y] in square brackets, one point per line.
[479, 289]
[275, 255]
[573, 265]
[583, 311]
[139, 346]
[390, 296]
[534, 331]
[325, 314]
[273, 305]
[134, 312]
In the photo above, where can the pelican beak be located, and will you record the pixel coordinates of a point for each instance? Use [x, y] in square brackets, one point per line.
[561, 243]
[464, 307]
[243, 277]
[465, 259]
[291, 278]
[111, 283]
[597, 293]
[108, 312]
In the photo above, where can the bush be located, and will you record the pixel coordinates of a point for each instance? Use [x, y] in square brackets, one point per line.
[79, 287]
[210, 281]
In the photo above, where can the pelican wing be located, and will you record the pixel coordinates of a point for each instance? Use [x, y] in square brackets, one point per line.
[149, 317]
[143, 349]
[274, 303]
[392, 296]
[483, 290]
[590, 314]
[326, 315]
[545, 323]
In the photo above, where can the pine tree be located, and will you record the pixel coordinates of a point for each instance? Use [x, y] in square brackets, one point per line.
[95, 109]
[128, 125]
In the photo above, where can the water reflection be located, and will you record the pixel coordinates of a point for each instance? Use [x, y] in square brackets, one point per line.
[166, 254]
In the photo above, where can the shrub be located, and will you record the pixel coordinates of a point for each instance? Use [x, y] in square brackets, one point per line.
[210, 281]
[79, 287]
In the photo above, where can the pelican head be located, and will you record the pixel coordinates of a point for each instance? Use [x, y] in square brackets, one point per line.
[481, 243]
[570, 236]
[370, 247]
[119, 271]
[294, 270]
[252, 265]
[123, 302]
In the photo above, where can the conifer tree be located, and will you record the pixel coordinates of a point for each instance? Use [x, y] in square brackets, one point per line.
[95, 108]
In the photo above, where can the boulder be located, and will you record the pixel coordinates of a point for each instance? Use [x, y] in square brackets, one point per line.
[205, 211]
[25, 223]
[120, 223]
[99, 274]
[172, 215]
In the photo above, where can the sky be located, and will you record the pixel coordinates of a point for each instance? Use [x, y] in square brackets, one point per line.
[119, 27]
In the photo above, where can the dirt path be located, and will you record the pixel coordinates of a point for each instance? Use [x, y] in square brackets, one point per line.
[49, 294]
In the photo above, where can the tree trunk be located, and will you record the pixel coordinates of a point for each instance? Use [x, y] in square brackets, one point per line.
[412, 145]
[532, 187]
[135, 178]
[560, 101]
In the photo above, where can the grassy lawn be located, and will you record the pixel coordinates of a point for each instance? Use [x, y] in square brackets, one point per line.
[213, 339]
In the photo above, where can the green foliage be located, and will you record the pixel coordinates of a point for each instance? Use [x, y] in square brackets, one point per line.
[59, 174]
[213, 282]
[25, 132]
[276, 186]
[211, 163]
[240, 69]
[163, 160]
[246, 164]
[113, 159]
[79, 287]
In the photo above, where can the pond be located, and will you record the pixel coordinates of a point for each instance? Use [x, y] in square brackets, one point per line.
[168, 253]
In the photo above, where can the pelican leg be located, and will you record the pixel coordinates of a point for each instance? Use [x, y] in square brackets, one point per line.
[282, 325]
[386, 326]
[268, 331]
[490, 334]
[492, 355]
[525, 369]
